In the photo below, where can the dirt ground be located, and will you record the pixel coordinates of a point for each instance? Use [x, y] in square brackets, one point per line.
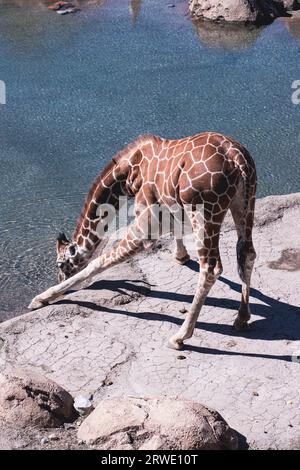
[110, 339]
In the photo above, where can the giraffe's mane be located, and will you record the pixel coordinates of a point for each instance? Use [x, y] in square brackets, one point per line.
[142, 139]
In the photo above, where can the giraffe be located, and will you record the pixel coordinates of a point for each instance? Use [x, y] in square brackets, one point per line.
[206, 169]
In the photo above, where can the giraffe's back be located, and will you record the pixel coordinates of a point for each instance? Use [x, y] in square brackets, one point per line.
[202, 168]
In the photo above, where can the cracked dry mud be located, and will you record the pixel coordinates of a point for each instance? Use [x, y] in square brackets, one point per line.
[110, 339]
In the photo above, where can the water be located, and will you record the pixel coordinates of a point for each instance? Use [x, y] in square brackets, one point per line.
[80, 87]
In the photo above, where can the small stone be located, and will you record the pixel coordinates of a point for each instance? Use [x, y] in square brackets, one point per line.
[181, 357]
[69, 426]
[53, 437]
[83, 405]
[170, 5]
[44, 440]
[108, 382]
[183, 310]
[255, 394]
[289, 402]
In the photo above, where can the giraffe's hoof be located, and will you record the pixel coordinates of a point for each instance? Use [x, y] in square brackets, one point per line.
[183, 260]
[175, 343]
[37, 303]
[241, 325]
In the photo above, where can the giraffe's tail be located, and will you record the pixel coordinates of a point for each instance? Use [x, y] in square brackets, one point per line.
[246, 203]
[244, 162]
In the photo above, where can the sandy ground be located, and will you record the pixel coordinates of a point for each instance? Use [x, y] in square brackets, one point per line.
[110, 339]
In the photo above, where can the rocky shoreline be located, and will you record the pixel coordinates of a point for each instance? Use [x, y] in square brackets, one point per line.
[227, 11]
[240, 11]
[109, 341]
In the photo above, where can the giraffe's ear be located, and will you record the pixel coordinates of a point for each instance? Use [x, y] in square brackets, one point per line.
[61, 240]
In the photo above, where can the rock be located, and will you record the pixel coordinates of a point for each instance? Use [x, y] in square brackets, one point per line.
[83, 405]
[156, 424]
[58, 5]
[288, 4]
[245, 11]
[53, 437]
[30, 399]
[44, 440]
[63, 8]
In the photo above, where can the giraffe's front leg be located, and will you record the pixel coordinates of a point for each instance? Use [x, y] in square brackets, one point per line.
[39, 302]
[131, 244]
[57, 291]
[206, 280]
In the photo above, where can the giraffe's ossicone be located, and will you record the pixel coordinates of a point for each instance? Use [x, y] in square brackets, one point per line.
[207, 170]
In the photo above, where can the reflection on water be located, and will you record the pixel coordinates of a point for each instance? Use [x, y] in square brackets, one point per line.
[226, 36]
[81, 87]
[293, 25]
[34, 4]
[135, 8]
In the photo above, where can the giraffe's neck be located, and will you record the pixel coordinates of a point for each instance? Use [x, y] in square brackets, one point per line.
[92, 223]
[117, 179]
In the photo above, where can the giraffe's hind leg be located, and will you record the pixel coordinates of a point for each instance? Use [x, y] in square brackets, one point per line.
[246, 255]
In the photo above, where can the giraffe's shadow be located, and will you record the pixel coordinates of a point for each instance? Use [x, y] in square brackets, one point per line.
[280, 320]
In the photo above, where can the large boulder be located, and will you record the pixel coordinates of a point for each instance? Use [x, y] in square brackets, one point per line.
[156, 423]
[245, 11]
[30, 399]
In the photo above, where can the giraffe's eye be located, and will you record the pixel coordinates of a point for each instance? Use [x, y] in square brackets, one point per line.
[72, 250]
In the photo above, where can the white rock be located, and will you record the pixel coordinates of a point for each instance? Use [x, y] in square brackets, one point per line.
[83, 405]
[156, 423]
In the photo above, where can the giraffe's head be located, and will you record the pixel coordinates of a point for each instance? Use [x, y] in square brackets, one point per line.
[70, 258]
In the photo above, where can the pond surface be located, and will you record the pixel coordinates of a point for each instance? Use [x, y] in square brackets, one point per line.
[79, 87]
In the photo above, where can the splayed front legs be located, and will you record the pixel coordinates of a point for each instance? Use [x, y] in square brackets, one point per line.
[130, 245]
[54, 292]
